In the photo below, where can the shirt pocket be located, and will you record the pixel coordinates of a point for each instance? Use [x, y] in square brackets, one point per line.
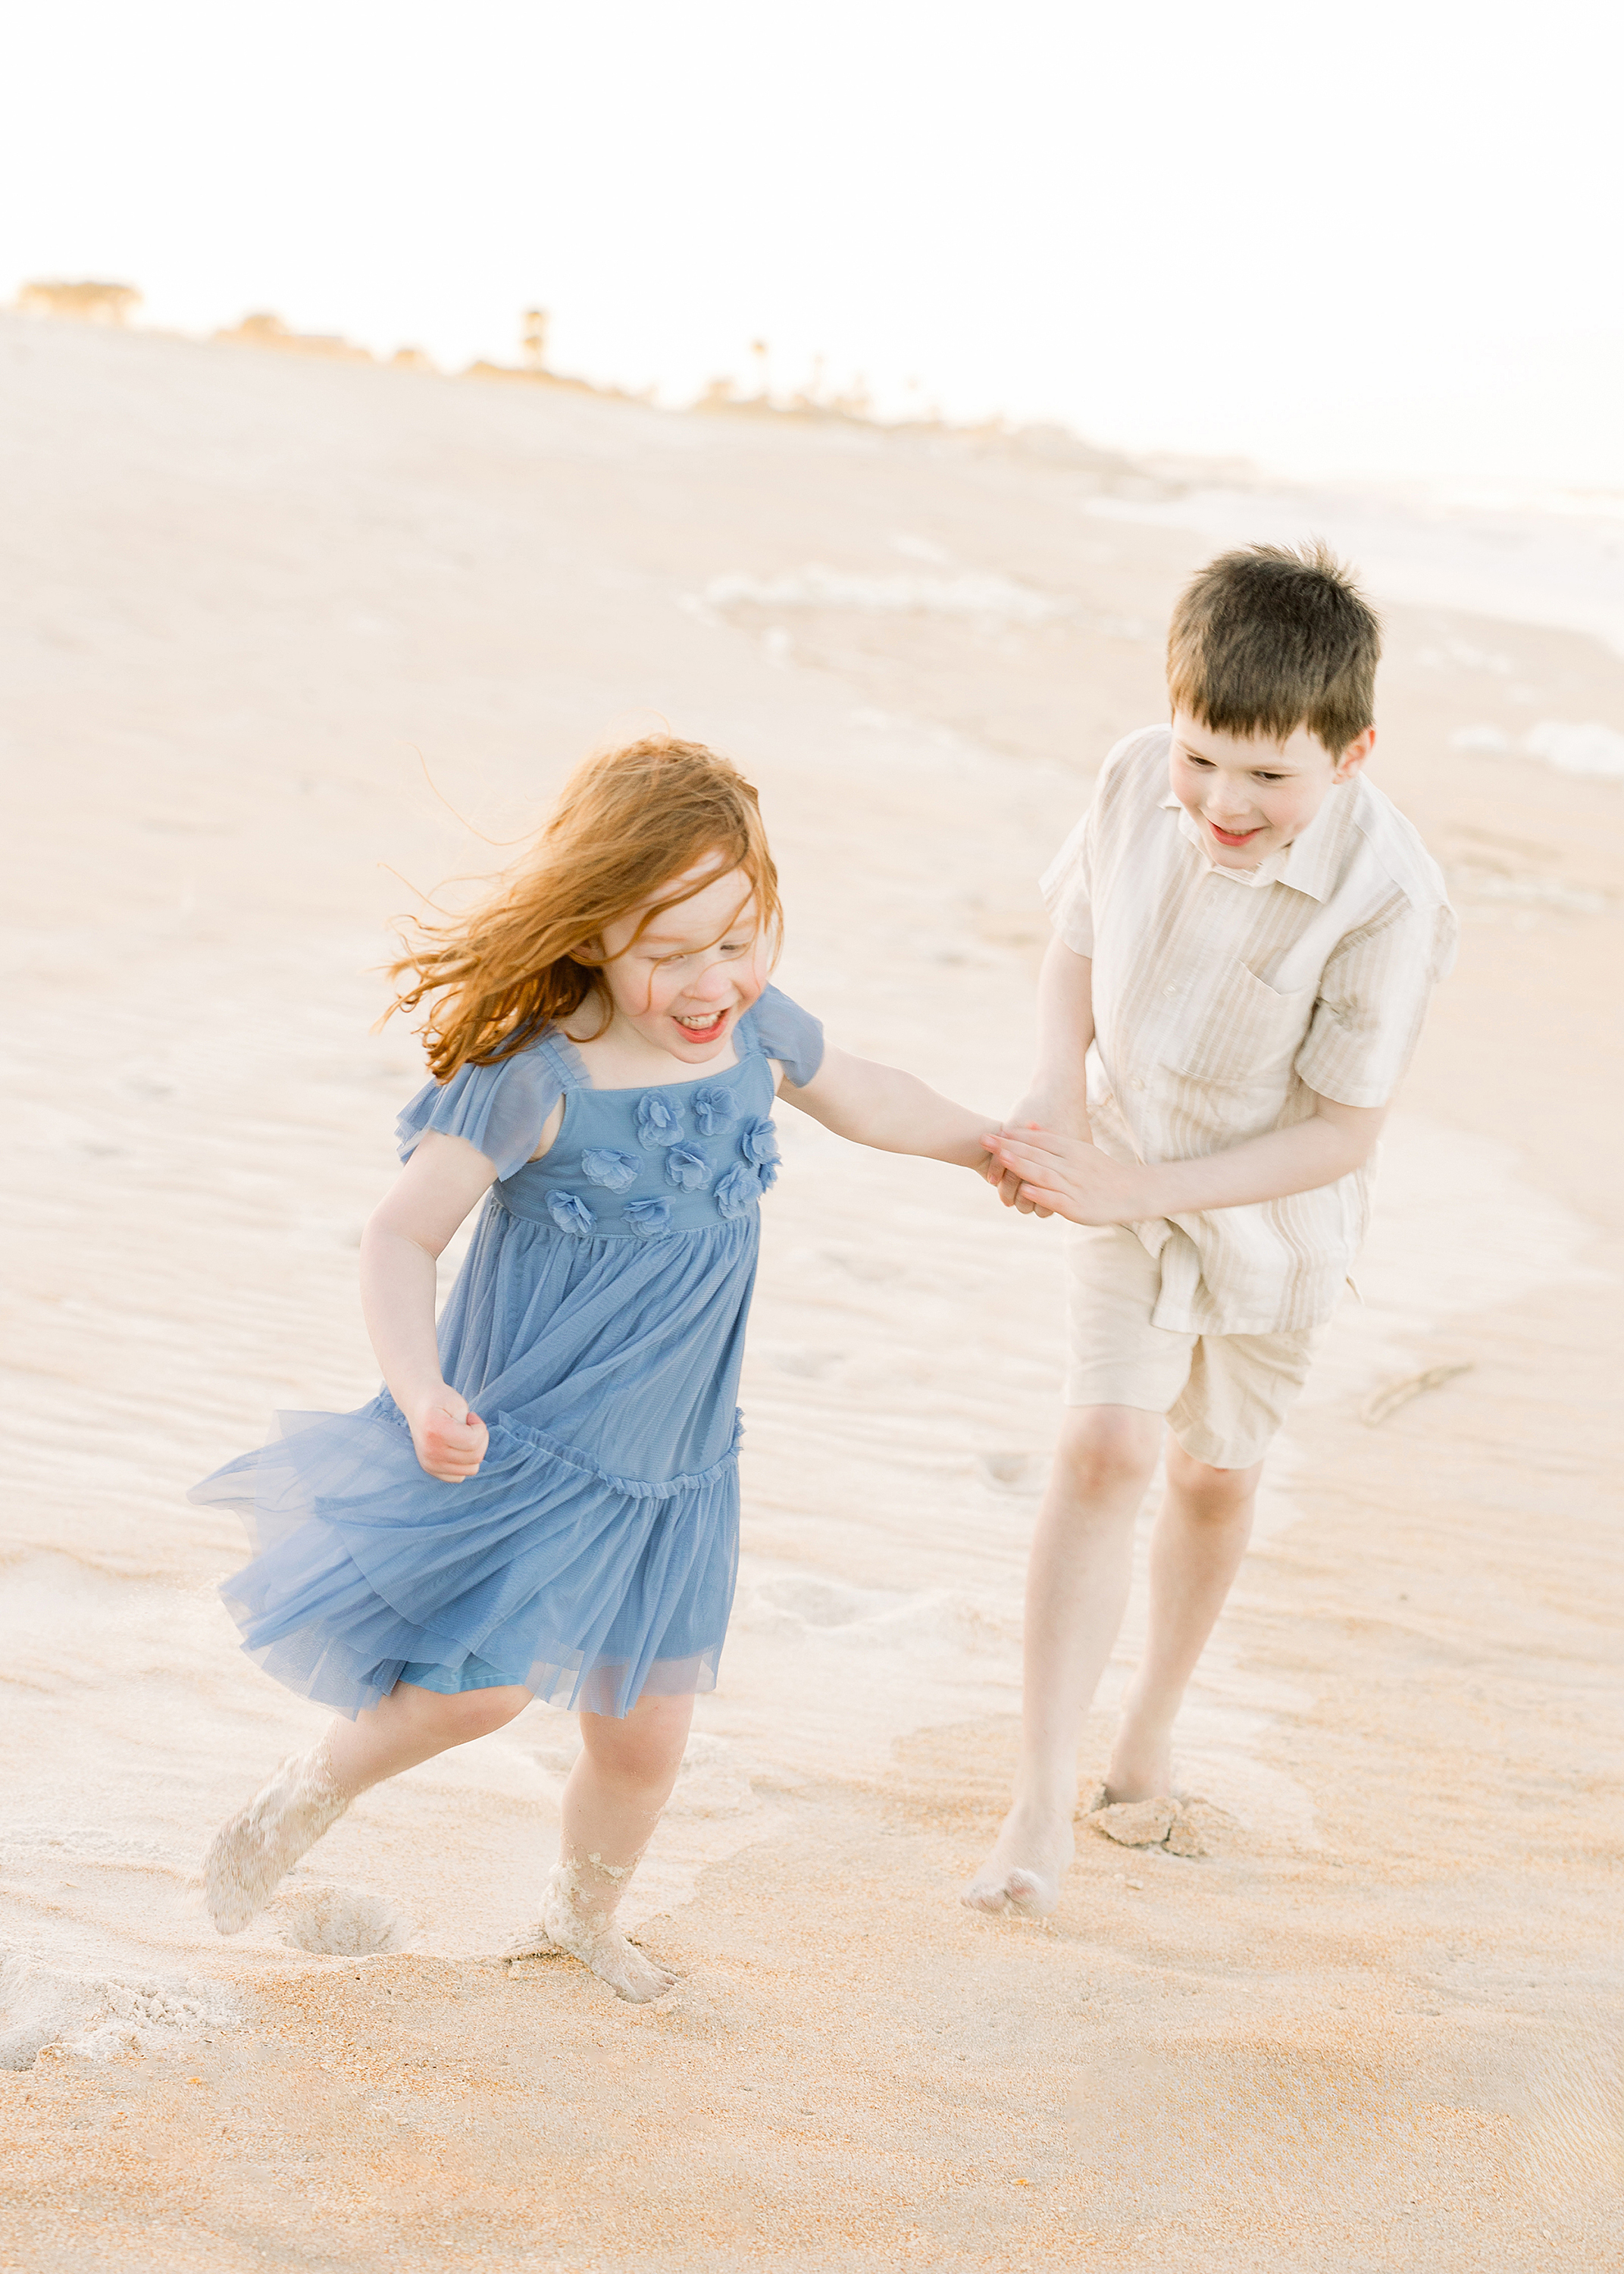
[1246, 1034]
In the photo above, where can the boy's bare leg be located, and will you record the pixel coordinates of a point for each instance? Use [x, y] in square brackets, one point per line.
[1196, 1549]
[612, 1805]
[309, 1793]
[1077, 1589]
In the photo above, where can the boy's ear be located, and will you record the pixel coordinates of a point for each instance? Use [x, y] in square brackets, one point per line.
[1354, 756]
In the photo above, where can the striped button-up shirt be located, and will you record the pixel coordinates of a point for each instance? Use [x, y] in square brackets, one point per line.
[1225, 998]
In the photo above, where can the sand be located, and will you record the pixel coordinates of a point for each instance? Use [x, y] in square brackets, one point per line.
[1377, 2025]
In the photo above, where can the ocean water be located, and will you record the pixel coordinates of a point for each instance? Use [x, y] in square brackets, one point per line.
[1525, 555]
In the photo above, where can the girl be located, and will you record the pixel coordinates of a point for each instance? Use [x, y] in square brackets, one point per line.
[606, 1052]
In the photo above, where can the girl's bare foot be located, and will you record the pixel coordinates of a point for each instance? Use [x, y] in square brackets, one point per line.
[1141, 1762]
[1022, 1876]
[571, 1922]
[253, 1849]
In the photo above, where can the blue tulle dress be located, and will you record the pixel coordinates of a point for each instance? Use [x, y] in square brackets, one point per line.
[596, 1328]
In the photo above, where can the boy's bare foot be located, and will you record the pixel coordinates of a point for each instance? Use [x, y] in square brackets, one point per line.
[252, 1850]
[1023, 1874]
[573, 1926]
[1141, 1765]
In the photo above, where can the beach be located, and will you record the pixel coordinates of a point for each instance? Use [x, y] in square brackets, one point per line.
[290, 644]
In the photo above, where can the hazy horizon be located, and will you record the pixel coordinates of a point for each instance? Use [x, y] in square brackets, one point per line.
[1261, 238]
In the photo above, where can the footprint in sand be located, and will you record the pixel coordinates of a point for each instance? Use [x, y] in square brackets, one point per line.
[1013, 1472]
[1181, 1826]
[340, 1922]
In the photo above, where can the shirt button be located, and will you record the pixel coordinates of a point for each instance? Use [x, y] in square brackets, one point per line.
[1172, 990]
[1138, 1084]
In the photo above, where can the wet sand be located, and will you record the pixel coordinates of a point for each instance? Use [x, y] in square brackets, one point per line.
[1379, 2027]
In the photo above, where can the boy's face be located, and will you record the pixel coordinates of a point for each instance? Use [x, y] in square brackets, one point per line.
[1248, 795]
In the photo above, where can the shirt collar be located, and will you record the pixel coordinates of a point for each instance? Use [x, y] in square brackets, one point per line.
[1308, 864]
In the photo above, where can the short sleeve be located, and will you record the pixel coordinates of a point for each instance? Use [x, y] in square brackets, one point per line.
[790, 1035]
[499, 1108]
[1067, 886]
[1372, 999]
[1134, 768]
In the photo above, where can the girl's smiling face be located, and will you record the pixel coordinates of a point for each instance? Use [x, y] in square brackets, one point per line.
[683, 983]
[1249, 794]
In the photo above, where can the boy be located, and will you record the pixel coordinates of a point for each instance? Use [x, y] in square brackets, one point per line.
[1246, 934]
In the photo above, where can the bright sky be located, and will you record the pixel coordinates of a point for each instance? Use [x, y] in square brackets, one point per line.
[1372, 239]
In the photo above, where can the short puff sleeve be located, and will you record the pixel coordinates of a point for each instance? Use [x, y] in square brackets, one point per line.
[499, 1108]
[792, 1035]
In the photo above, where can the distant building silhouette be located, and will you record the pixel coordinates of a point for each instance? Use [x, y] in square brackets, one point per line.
[265, 331]
[533, 339]
[81, 303]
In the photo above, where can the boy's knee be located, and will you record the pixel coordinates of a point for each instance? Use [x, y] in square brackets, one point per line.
[1209, 1491]
[1107, 1448]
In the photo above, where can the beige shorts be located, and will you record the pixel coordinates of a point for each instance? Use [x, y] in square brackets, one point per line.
[1224, 1396]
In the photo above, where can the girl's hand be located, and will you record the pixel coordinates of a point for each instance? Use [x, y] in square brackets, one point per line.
[1069, 1177]
[450, 1442]
[1007, 1181]
[1033, 1111]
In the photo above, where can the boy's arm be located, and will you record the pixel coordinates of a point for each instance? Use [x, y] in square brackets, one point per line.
[1058, 1094]
[1076, 1179]
[896, 1112]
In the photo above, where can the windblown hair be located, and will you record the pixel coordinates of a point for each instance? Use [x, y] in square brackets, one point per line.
[1266, 640]
[628, 823]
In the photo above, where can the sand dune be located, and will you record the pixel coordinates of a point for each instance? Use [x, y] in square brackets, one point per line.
[245, 599]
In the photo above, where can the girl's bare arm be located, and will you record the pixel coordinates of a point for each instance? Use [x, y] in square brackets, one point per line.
[404, 1238]
[895, 1112]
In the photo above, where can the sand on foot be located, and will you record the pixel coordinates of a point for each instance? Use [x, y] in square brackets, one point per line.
[262, 1842]
[572, 1923]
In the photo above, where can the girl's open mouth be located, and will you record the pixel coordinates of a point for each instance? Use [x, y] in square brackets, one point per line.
[709, 1033]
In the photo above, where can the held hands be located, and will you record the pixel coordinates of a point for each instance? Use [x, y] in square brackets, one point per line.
[1043, 1174]
[449, 1441]
[1039, 1109]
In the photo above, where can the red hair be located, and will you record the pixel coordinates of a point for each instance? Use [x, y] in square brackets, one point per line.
[628, 823]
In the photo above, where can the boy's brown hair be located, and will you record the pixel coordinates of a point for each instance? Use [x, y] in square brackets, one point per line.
[1266, 639]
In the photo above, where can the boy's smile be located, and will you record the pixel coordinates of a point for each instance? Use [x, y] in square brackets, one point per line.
[1249, 794]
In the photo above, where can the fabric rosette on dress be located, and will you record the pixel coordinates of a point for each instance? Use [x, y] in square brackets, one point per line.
[687, 1168]
[601, 1164]
[659, 1122]
[713, 1110]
